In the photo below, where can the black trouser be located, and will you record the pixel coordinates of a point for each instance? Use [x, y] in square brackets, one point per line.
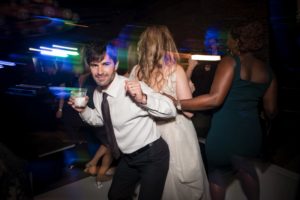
[148, 166]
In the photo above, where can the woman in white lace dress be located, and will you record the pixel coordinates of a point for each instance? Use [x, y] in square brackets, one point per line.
[158, 67]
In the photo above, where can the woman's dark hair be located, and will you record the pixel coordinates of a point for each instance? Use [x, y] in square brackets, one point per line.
[250, 35]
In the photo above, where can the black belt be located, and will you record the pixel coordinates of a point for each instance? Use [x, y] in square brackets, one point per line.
[141, 150]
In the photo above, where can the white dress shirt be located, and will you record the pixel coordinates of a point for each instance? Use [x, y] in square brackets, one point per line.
[134, 124]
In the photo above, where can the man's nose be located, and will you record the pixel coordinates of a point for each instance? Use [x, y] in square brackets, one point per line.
[100, 69]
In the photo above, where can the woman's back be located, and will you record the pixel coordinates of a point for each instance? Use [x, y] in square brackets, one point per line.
[248, 86]
[253, 69]
[235, 126]
[239, 84]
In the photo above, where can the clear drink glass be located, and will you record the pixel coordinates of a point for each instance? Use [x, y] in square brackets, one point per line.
[79, 97]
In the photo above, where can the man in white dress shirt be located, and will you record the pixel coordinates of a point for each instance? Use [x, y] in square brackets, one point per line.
[133, 106]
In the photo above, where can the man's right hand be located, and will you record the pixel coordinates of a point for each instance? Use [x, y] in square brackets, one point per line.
[71, 102]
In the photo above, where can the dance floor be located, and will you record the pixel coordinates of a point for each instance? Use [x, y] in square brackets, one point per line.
[276, 184]
[83, 189]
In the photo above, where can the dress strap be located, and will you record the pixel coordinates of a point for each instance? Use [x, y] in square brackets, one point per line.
[237, 67]
[270, 75]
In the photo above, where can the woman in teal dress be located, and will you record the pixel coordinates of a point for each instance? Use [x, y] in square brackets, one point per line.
[240, 83]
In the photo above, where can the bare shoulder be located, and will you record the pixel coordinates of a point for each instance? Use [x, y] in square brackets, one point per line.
[259, 66]
[180, 71]
[259, 63]
[228, 60]
[260, 71]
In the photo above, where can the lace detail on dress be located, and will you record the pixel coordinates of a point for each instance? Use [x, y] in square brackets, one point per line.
[170, 87]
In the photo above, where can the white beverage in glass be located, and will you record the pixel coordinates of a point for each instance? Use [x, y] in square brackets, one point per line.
[79, 97]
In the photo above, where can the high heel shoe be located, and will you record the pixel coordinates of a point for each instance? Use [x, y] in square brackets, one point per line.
[110, 171]
[103, 178]
[90, 169]
[99, 184]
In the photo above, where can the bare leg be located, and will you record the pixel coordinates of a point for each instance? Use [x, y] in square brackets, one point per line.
[247, 176]
[250, 185]
[91, 166]
[105, 165]
[217, 192]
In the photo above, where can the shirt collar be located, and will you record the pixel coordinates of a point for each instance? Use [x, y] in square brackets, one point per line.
[113, 88]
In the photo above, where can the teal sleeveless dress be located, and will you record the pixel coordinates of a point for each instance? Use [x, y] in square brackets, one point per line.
[235, 129]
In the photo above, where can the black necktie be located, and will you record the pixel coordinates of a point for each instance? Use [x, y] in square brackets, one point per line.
[109, 128]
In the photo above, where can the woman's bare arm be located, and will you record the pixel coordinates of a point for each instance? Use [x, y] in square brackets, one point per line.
[221, 84]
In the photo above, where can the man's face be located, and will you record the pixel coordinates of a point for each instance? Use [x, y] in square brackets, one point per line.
[103, 71]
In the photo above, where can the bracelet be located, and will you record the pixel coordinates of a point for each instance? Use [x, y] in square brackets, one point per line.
[60, 109]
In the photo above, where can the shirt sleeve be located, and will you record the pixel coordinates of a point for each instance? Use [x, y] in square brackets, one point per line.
[91, 116]
[157, 104]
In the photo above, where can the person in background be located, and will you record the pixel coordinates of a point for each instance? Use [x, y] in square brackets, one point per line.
[127, 48]
[201, 74]
[100, 170]
[240, 83]
[49, 73]
[133, 106]
[158, 67]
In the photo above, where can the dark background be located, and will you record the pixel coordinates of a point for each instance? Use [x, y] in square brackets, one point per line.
[187, 20]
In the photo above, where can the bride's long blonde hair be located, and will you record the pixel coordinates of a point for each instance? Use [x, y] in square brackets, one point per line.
[157, 56]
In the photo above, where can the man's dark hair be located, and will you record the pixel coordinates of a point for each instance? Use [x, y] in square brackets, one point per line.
[96, 51]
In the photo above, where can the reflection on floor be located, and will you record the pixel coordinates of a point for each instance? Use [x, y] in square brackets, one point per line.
[276, 184]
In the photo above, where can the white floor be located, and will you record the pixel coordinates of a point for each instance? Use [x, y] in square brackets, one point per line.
[276, 184]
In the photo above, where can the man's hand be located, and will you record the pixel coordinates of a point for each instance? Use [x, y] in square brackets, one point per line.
[71, 102]
[133, 88]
